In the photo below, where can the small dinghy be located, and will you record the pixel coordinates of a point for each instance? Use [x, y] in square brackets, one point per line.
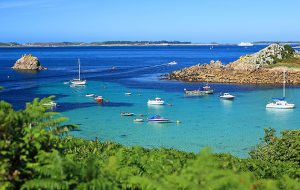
[90, 95]
[127, 114]
[138, 120]
[128, 93]
[99, 99]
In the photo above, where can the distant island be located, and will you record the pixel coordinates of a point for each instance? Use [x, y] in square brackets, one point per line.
[133, 43]
[264, 67]
[105, 43]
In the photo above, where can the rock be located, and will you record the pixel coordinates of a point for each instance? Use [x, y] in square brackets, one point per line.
[28, 62]
[267, 56]
[249, 69]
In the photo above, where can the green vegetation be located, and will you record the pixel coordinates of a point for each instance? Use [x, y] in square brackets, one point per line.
[289, 62]
[36, 153]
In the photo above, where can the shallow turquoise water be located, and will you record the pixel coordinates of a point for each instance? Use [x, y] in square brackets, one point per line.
[225, 126]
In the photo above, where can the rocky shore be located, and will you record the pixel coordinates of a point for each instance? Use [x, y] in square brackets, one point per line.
[249, 69]
[28, 62]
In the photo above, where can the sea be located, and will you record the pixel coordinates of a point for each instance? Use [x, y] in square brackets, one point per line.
[234, 127]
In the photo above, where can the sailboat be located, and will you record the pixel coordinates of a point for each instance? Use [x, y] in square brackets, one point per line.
[78, 81]
[281, 103]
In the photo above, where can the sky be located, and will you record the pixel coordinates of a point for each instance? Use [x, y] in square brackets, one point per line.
[198, 21]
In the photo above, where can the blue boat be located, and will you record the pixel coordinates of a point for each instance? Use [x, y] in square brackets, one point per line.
[158, 119]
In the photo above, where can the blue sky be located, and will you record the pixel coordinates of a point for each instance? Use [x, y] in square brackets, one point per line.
[184, 20]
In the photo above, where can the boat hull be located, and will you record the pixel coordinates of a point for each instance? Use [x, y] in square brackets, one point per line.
[274, 106]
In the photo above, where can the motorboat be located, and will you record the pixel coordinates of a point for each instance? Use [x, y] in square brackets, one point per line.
[281, 103]
[90, 95]
[172, 63]
[245, 44]
[99, 99]
[193, 92]
[227, 96]
[156, 101]
[207, 89]
[138, 120]
[50, 104]
[128, 93]
[204, 91]
[78, 81]
[158, 119]
[127, 114]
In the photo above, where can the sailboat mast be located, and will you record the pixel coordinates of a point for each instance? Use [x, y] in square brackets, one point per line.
[284, 83]
[79, 69]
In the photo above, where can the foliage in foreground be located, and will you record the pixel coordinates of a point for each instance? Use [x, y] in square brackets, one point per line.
[35, 154]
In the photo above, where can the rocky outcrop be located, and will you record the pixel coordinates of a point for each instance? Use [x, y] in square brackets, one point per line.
[267, 56]
[249, 69]
[28, 62]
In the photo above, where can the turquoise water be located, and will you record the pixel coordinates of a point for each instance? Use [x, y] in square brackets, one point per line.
[225, 126]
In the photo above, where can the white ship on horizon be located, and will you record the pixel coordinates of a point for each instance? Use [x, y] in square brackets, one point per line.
[245, 44]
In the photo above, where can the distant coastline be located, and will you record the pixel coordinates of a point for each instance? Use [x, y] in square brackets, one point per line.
[130, 43]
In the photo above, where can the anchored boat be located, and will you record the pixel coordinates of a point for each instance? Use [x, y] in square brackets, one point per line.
[78, 81]
[156, 101]
[227, 96]
[158, 119]
[127, 114]
[281, 103]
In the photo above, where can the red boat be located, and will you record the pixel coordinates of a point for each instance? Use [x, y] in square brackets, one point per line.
[99, 99]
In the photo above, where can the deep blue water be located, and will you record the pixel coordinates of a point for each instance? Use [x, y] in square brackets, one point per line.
[206, 121]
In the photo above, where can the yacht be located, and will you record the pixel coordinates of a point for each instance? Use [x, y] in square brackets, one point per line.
[281, 103]
[245, 44]
[227, 96]
[157, 101]
[78, 81]
[172, 63]
[158, 119]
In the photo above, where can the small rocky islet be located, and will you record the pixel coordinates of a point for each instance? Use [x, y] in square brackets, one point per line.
[258, 68]
[28, 62]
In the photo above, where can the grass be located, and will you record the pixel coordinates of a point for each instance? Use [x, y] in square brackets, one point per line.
[290, 63]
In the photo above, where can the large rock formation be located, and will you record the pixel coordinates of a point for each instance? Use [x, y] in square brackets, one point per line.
[28, 62]
[249, 69]
[267, 56]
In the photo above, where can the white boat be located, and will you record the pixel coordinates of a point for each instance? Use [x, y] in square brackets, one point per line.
[50, 104]
[245, 44]
[138, 120]
[157, 101]
[227, 96]
[281, 103]
[172, 63]
[78, 81]
[158, 119]
[128, 93]
[90, 95]
[207, 89]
